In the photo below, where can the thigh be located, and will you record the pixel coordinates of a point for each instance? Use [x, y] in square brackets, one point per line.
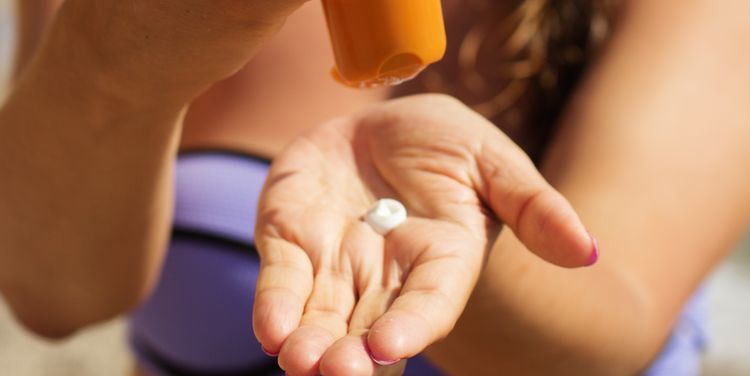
[199, 317]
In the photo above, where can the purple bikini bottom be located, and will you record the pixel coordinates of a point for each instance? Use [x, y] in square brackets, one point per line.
[198, 320]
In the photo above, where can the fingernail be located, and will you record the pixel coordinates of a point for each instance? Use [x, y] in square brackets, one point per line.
[595, 252]
[378, 361]
[269, 353]
[384, 362]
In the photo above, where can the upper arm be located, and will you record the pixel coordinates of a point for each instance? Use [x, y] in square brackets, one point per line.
[655, 149]
[34, 16]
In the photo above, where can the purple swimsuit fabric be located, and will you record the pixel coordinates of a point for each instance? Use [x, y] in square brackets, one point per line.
[198, 321]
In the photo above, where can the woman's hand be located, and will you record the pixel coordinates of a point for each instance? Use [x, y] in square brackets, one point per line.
[333, 294]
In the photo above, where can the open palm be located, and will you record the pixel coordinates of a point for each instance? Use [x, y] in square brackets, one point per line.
[333, 295]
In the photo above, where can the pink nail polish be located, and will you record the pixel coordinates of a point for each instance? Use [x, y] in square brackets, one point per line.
[385, 362]
[269, 353]
[378, 361]
[595, 252]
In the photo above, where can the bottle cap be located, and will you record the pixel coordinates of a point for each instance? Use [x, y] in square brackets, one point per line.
[384, 42]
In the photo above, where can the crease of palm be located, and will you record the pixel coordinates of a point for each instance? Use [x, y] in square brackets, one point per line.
[445, 173]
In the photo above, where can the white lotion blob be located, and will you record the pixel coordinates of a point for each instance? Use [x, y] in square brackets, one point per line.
[386, 215]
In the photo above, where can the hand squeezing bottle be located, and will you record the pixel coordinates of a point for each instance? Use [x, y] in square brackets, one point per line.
[384, 42]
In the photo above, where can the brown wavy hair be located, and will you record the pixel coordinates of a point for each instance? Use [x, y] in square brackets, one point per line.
[517, 61]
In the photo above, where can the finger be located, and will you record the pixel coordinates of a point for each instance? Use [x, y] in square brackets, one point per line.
[349, 356]
[301, 353]
[539, 215]
[284, 284]
[325, 321]
[444, 271]
[371, 306]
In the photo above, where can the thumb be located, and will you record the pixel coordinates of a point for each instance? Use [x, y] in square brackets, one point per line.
[539, 216]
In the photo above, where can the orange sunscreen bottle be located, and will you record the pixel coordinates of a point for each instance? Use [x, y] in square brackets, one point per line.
[384, 42]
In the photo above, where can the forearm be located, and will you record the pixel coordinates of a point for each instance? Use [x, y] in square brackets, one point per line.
[652, 154]
[33, 19]
[86, 190]
[527, 317]
[88, 138]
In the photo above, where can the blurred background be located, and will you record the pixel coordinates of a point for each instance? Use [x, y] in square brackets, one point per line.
[102, 350]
